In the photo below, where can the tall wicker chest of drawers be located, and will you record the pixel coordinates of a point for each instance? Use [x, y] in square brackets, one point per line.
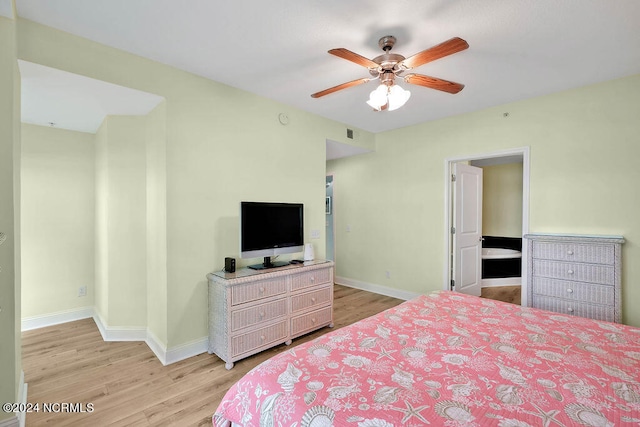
[575, 274]
[251, 311]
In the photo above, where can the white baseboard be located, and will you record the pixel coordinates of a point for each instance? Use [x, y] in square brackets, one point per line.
[505, 281]
[166, 355]
[378, 289]
[18, 420]
[12, 421]
[22, 395]
[158, 347]
[187, 350]
[36, 322]
[120, 333]
[178, 353]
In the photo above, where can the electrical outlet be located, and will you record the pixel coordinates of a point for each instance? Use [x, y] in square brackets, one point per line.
[82, 291]
[388, 274]
[315, 234]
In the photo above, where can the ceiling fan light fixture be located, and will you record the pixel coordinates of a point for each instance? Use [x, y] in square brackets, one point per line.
[392, 97]
[378, 97]
[397, 97]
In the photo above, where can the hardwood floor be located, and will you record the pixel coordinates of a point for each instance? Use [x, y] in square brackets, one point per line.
[503, 293]
[128, 386]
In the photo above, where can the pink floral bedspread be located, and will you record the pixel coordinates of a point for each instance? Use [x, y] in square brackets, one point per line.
[448, 359]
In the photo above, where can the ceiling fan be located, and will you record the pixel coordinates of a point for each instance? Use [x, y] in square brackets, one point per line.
[388, 66]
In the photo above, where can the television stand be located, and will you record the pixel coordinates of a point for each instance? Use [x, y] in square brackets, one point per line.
[253, 310]
[268, 264]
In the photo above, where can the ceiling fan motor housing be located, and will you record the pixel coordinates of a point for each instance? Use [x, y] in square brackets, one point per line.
[386, 43]
[387, 78]
[387, 61]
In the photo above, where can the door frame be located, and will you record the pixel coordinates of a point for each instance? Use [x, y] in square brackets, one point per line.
[448, 211]
[333, 219]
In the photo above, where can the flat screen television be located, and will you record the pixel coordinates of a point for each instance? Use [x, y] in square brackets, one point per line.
[270, 229]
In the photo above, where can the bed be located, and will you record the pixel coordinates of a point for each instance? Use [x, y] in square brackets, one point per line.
[448, 359]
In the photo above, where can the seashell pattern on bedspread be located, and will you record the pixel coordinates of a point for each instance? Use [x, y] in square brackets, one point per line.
[448, 359]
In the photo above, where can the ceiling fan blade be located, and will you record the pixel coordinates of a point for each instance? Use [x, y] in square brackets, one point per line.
[447, 48]
[339, 87]
[433, 83]
[354, 57]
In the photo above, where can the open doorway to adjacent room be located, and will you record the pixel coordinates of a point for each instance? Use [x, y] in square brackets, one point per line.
[494, 187]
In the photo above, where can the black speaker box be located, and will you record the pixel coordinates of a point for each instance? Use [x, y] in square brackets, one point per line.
[230, 265]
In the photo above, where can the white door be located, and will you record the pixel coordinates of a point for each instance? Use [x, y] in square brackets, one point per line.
[467, 232]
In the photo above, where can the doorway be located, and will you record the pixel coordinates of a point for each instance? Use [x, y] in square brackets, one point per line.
[485, 159]
[329, 209]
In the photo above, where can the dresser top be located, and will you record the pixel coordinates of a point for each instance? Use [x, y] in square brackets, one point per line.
[583, 238]
[267, 273]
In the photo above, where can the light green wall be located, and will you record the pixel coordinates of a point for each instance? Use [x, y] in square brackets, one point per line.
[126, 182]
[502, 200]
[584, 148]
[156, 146]
[17, 141]
[57, 219]
[223, 145]
[130, 274]
[10, 364]
[101, 240]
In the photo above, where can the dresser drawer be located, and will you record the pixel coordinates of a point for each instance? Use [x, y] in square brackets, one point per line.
[310, 299]
[253, 340]
[558, 305]
[577, 291]
[311, 278]
[594, 273]
[311, 321]
[258, 290]
[259, 313]
[595, 254]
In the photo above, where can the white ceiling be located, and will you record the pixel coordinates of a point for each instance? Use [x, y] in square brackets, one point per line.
[6, 8]
[278, 49]
[52, 97]
[336, 150]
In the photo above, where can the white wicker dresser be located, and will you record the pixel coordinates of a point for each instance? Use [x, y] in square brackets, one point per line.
[575, 274]
[251, 311]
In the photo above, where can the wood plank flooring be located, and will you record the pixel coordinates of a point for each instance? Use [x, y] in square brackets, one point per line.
[126, 383]
[503, 293]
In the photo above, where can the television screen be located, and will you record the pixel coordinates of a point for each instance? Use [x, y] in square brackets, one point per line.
[269, 229]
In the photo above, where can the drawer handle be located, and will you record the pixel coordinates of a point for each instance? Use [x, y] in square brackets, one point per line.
[262, 337]
[313, 320]
[313, 300]
[261, 289]
[569, 252]
[313, 279]
[569, 290]
[570, 271]
[262, 314]
[570, 310]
